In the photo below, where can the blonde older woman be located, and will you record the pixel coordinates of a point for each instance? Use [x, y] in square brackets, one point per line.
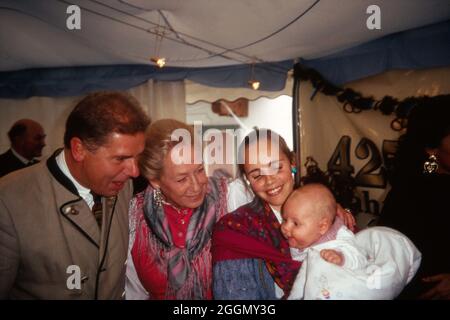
[171, 222]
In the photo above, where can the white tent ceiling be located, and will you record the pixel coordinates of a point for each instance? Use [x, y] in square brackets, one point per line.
[197, 33]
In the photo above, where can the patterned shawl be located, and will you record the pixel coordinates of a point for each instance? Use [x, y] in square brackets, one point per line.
[188, 269]
[253, 231]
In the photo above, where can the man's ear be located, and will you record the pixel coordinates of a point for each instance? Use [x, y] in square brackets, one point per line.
[324, 225]
[77, 149]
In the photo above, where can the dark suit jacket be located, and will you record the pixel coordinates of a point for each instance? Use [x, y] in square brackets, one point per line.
[9, 163]
[419, 208]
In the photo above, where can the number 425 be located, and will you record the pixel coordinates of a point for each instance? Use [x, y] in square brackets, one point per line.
[340, 161]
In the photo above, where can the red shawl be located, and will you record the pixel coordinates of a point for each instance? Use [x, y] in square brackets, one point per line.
[253, 231]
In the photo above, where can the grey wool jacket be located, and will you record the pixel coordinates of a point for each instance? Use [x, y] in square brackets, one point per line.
[50, 244]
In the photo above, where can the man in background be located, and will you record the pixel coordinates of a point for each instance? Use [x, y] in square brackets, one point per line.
[27, 141]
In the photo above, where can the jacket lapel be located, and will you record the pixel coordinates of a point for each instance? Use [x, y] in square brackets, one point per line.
[71, 206]
[78, 214]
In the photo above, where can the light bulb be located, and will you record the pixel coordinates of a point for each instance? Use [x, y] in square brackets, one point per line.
[160, 62]
[254, 84]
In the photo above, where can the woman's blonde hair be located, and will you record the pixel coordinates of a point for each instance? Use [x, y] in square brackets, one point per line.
[158, 143]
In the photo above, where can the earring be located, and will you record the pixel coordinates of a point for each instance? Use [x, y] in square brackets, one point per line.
[430, 165]
[294, 170]
[158, 197]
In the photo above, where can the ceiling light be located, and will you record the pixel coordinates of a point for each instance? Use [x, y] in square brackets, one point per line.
[254, 84]
[160, 62]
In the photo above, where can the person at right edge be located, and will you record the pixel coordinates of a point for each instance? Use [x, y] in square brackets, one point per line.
[418, 203]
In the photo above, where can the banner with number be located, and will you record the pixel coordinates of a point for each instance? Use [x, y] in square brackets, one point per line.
[363, 144]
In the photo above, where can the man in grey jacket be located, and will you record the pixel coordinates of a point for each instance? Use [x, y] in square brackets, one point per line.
[52, 246]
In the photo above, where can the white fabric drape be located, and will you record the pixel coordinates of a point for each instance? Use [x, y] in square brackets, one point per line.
[196, 92]
[160, 99]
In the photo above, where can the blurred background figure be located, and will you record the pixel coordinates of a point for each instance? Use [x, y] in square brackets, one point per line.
[418, 204]
[27, 141]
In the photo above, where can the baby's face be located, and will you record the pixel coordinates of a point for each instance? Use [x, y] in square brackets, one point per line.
[300, 226]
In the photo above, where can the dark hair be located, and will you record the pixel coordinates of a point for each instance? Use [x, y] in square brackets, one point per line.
[99, 114]
[17, 130]
[255, 135]
[428, 124]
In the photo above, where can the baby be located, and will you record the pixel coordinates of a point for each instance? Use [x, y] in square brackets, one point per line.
[310, 221]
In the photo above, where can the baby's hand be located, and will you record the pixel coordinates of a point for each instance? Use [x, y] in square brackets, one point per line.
[332, 256]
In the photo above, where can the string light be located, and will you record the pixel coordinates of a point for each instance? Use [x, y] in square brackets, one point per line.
[271, 66]
[159, 35]
[253, 82]
[160, 62]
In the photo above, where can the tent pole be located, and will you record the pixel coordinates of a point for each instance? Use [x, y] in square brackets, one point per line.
[296, 127]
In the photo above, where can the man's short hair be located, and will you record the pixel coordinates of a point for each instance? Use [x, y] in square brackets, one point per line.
[99, 114]
[16, 131]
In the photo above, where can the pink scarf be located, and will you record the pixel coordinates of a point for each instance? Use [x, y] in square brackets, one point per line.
[188, 269]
